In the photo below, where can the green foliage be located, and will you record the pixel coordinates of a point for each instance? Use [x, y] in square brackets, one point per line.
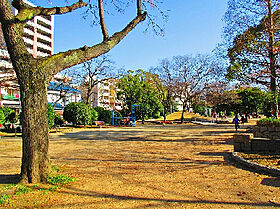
[198, 108]
[106, 116]
[10, 115]
[4, 199]
[58, 120]
[51, 116]
[94, 115]
[268, 122]
[103, 115]
[2, 117]
[78, 113]
[59, 180]
[140, 88]
[22, 189]
[99, 110]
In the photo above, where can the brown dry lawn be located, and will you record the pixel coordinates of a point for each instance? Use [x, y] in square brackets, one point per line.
[148, 166]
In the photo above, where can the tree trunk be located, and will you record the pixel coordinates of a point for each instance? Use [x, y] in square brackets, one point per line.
[183, 111]
[35, 137]
[272, 63]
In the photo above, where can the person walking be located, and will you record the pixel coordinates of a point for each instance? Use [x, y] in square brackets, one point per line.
[236, 122]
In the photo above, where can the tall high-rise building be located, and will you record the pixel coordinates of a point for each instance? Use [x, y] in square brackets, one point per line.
[39, 41]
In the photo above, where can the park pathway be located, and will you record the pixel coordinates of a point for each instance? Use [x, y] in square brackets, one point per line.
[155, 166]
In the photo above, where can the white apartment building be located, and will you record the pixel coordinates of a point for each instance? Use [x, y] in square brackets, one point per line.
[105, 95]
[39, 40]
[39, 34]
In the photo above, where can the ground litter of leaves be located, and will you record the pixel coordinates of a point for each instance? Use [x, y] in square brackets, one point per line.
[148, 166]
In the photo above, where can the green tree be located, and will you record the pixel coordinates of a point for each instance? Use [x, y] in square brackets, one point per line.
[77, 113]
[34, 73]
[251, 100]
[139, 88]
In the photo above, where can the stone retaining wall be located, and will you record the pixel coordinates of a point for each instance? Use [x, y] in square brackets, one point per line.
[247, 143]
[271, 132]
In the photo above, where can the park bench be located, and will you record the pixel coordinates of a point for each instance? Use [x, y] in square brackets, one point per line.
[99, 123]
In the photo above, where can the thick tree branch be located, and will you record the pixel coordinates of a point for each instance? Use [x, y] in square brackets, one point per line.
[61, 61]
[139, 7]
[27, 13]
[102, 20]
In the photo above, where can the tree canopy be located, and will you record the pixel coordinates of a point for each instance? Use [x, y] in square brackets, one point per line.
[140, 88]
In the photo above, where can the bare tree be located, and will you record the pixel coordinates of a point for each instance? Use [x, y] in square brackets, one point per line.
[188, 77]
[34, 74]
[92, 73]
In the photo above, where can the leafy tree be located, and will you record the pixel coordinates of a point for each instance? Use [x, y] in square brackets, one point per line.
[77, 113]
[251, 100]
[51, 116]
[254, 49]
[34, 73]
[139, 88]
[163, 83]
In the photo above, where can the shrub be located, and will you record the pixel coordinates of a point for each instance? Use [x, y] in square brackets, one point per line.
[78, 113]
[51, 116]
[2, 117]
[106, 116]
[198, 108]
[99, 110]
[94, 115]
[58, 120]
[268, 122]
[10, 115]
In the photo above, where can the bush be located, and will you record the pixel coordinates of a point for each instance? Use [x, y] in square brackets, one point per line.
[106, 116]
[94, 115]
[77, 113]
[268, 122]
[10, 115]
[2, 117]
[100, 111]
[51, 116]
[58, 120]
[198, 108]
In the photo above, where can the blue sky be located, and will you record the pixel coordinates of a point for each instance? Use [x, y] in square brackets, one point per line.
[193, 26]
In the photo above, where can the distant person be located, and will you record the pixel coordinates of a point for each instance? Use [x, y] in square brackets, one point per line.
[236, 122]
[243, 119]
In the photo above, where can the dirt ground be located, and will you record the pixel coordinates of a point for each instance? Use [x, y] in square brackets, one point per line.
[148, 166]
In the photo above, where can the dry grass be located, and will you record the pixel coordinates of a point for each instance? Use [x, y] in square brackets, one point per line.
[150, 166]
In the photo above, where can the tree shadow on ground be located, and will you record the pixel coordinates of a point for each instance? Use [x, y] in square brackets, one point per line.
[274, 182]
[9, 178]
[214, 154]
[84, 193]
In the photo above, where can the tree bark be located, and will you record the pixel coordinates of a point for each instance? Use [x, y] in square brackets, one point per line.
[35, 138]
[272, 59]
